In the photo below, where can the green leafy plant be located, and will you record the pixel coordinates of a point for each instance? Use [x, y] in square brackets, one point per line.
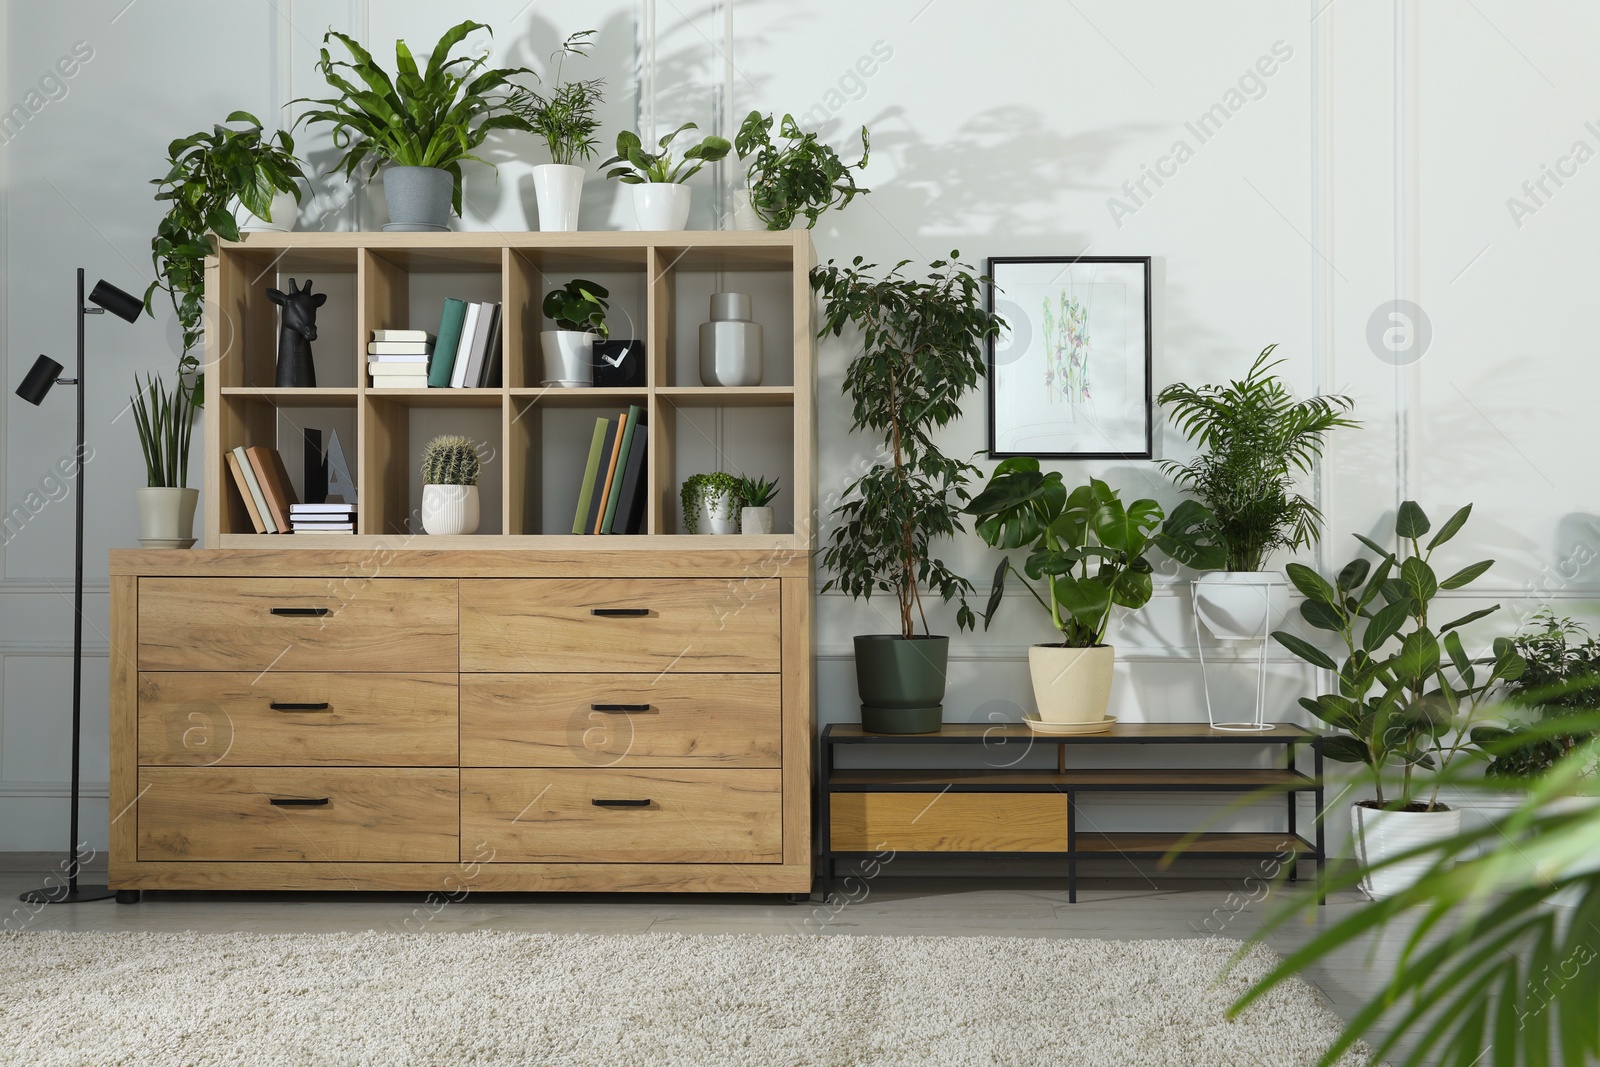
[206, 171]
[420, 117]
[579, 305]
[1408, 691]
[756, 492]
[565, 118]
[1562, 682]
[450, 459]
[922, 351]
[1254, 439]
[799, 176]
[632, 165]
[1087, 548]
[698, 488]
[165, 423]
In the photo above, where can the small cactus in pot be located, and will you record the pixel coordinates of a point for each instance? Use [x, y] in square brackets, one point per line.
[450, 469]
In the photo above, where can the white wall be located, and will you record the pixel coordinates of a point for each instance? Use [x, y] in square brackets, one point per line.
[1374, 164]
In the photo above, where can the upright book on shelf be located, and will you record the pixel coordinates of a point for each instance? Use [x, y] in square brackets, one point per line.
[614, 493]
[444, 349]
[634, 496]
[596, 485]
[586, 487]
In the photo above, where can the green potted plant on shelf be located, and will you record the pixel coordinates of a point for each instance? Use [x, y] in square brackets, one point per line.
[1255, 440]
[922, 352]
[710, 502]
[1088, 551]
[578, 309]
[422, 122]
[164, 421]
[799, 176]
[1561, 682]
[755, 504]
[1408, 692]
[660, 199]
[565, 119]
[450, 469]
[222, 181]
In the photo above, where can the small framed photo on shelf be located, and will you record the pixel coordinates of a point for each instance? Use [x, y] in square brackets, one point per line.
[1069, 377]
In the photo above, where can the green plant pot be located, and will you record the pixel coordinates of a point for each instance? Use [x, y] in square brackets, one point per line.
[901, 681]
[902, 720]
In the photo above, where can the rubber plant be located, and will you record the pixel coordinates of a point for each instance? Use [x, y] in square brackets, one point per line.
[564, 117]
[799, 175]
[632, 165]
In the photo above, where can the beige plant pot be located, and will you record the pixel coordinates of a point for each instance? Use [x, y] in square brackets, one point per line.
[166, 516]
[1072, 685]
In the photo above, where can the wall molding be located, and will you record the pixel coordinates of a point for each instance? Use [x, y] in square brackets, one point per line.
[1012, 653]
[53, 790]
[34, 649]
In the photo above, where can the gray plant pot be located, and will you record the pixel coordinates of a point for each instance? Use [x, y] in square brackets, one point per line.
[418, 198]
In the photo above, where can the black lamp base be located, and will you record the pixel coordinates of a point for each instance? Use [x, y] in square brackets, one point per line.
[62, 895]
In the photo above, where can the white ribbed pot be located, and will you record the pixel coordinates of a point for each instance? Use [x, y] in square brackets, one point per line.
[568, 358]
[744, 216]
[166, 514]
[755, 520]
[558, 187]
[450, 509]
[1377, 835]
[285, 211]
[1071, 685]
[718, 515]
[1241, 605]
[661, 205]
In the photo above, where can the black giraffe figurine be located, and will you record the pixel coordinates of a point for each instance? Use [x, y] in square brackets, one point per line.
[296, 331]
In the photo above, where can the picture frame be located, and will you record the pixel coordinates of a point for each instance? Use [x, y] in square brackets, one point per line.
[1070, 376]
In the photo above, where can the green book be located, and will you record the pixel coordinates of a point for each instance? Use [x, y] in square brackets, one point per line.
[635, 413]
[449, 339]
[586, 490]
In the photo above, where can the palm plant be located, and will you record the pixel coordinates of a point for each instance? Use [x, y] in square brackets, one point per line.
[565, 118]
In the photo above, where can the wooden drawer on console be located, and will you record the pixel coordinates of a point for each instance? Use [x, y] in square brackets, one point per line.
[616, 816]
[620, 720]
[948, 822]
[289, 624]
[287, 718]
[618, 625]
[340, 815]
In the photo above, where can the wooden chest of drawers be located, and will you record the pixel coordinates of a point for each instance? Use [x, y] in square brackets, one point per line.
[496, 720]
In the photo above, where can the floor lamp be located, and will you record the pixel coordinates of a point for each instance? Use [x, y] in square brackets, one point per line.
[41, 377]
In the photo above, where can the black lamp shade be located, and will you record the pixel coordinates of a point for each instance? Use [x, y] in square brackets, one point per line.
[116, 301]
[40, 378]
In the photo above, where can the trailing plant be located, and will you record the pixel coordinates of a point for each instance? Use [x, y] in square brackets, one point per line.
[450, 459]
[206, 171]
[922, 352]
[579, 305]
[632, 165]
[565, 118]
[1408, 691]
[697, 489]
[165, 423]
[420, 117]
[756, 492]
[1561, 683]
[1255, 438]
[799, 176]
[1087, 547]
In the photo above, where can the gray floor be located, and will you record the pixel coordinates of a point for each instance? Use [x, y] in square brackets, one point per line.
[1115, 906]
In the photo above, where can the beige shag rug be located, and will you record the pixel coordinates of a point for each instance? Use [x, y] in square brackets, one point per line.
[506, 998]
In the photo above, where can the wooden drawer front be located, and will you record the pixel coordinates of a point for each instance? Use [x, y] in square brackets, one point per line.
[644, 625]
[221, 624]
[948, 822]
[550, 816]
[284, 718]
[620, 720]
[394, 814]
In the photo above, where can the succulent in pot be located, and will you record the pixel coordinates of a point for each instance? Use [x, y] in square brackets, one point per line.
[755, 504]
[660, 198]
[800, 176]
[565, 119]
[710, 503]
[578, 309]
[450, 469]
[164, 420]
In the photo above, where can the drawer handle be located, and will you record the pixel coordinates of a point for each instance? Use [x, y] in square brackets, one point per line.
[275, 706]
[645, 803]
[619, 613]
[298, 802]
[615, 708]
[310, 612]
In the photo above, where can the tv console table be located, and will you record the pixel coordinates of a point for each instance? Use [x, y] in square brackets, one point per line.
[1014, 812]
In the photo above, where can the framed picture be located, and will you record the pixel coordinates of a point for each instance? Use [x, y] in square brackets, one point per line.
[1069, 378]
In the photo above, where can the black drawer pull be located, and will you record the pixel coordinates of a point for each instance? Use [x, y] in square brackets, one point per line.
[275, 706]
[645, 803]
[619, 613]
[310, 612]
[299, 802]
[619, 707]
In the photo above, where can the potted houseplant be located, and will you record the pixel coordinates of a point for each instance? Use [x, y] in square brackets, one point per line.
[424, 122]
[1254, 439]
[566, 121]
[710, 501]
[800, 176]
[217, 181]
[1088, 551]
[450, 470]
[922, 352]
[755, 504]
[578, 309]
[165, 422]
[1408, 692]
[1561, 682]
[660, 199]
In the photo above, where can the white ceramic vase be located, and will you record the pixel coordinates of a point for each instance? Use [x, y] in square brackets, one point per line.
[1241, 605]
[718, 514]
[568, 358]
[558, 187]
[166, 516]
[755, 520]
[1071, 685]
[1377, 835]
[450, 509]
[661, 205]
[285, 212]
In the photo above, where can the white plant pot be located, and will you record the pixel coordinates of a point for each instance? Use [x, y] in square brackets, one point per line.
[558, 187]
[1378, 835]
[661, 205]
[285, 212]
[717, 514]
[450, 509]
[1072, 685]
[1241, 605]
[166, 516]
[568, 358]
[755, 520]
[744, 216]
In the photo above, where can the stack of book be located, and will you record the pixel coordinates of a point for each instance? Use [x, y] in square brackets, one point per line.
[263, 482]
[323, 518]
[467, 355]
[398, 359]
[614, 492]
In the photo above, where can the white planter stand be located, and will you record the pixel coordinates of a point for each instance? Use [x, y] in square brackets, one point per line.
[1267, 587]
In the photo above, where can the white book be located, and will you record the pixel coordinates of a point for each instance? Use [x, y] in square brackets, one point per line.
[412, 369]
[256, 495]
[458, 373]
[343, 530]
[402, 335]
[396, 381]
[480, 344]
[399, 348]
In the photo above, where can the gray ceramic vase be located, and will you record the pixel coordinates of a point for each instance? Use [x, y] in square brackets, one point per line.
[418, 199]
[730, 344]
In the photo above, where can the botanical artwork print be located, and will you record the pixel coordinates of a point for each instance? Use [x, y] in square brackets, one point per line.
[1066, 370]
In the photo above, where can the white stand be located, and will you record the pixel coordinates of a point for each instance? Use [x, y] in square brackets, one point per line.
[1259, 722]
